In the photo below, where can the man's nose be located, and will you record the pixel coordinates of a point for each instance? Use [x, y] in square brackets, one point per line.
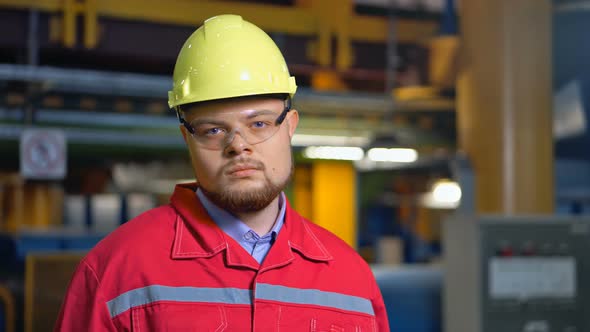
[235, 143]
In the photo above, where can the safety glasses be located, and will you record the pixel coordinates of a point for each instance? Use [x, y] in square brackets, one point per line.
[254, 126]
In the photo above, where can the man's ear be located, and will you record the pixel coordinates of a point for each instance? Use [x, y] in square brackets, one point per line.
[292, 122]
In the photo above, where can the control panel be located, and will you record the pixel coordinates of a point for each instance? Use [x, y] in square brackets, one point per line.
[517, 274]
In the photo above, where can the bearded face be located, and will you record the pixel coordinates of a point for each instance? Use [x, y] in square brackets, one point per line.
[250, 199]
[241, 172]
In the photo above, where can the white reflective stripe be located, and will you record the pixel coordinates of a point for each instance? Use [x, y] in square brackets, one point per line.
[150, 294]
[314, 297]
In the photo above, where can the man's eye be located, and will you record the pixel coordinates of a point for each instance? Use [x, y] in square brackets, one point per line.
[214, 131]
[259, 124]
[211, 131]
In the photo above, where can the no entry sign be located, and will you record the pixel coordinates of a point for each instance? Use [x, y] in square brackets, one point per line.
[43, 154]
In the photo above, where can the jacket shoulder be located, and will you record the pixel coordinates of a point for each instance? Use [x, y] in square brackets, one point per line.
[345, 264]
[337, 247]
[150, 230]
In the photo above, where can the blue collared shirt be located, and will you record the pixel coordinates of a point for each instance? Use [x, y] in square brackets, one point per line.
[258, 246]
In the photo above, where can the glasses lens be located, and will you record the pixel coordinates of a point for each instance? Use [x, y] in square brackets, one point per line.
[255, 129]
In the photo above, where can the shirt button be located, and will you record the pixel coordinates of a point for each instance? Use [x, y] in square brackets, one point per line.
[248, 236]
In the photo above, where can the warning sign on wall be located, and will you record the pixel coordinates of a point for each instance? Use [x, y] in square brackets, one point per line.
[43, 154]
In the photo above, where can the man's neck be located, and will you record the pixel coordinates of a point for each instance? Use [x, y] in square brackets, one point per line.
[263, 220]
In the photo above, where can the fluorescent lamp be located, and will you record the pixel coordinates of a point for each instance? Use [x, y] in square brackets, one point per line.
[330, 140]
[395, 155]
[334, 152]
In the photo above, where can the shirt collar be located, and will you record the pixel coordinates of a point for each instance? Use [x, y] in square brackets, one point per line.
[232, 225]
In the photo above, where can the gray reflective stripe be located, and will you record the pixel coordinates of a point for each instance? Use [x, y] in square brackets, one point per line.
[314, 297]
[156, 293]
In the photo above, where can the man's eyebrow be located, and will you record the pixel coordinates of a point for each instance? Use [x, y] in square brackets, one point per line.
[260, 112]
[213, 121]
[207, 121]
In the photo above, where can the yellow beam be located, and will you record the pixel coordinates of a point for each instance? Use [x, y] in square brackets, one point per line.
[414, 31]
[42, 5]
[376, 29]
[290, 20]
[369, 28]
[324, 19]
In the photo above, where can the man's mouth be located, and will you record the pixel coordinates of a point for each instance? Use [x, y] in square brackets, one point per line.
[243, 169]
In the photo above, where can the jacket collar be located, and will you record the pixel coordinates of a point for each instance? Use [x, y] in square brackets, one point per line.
[196, 235]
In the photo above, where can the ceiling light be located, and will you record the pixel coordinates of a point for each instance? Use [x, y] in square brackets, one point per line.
[334, 152]
[445, 194]
[329, 140]
[396, 155]
[446, 191]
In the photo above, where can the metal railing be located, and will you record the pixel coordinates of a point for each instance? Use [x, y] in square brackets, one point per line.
[325, 20]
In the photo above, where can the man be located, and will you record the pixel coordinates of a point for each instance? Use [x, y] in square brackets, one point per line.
[228, 253]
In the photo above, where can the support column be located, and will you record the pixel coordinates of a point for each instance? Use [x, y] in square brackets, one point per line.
[505, 103]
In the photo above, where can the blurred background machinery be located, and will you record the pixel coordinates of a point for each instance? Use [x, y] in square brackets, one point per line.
[408, 116]
[47, 277]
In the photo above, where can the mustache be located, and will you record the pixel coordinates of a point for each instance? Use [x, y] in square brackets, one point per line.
[249, 162]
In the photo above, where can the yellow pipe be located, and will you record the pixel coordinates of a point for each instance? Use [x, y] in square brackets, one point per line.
[333, 198]
[90, 24]
[69, 23]
[7, 299]
[341, 12]
[324, 36]
[324, 45]
[302, 191]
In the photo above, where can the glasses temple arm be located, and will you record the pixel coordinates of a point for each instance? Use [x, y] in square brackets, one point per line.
[183, 121]
[283, 115]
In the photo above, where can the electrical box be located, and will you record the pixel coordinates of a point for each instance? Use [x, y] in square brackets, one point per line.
[516, 274]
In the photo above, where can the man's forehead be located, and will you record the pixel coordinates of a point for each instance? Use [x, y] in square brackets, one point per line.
[223, 116]
[235, 106]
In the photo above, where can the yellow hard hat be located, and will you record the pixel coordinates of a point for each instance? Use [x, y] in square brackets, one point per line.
[228, 57]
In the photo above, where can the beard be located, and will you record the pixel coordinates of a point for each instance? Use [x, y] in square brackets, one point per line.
[250, 200]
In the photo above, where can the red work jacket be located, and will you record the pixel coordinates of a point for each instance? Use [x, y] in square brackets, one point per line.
[173, 269]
